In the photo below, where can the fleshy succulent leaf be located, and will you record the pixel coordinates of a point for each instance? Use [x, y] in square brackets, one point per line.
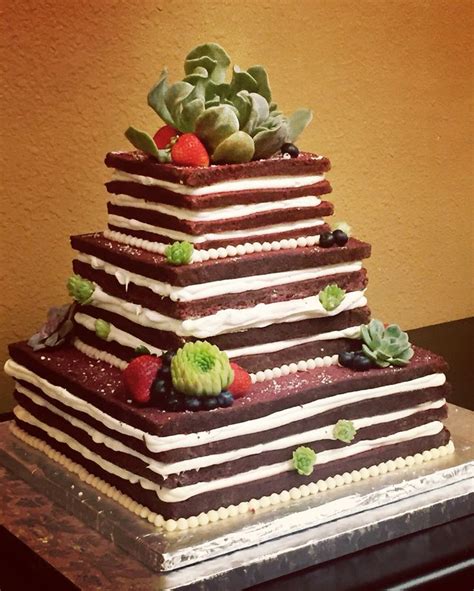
[344, 431]
[236, 148]
[386, 346]
[242, 80]
[179, 253]
[201, 369]
[215, 125]
[80, 289]
[156, 99]
[269, 141]
[331, 297]
[210, 56]
[144, 142]
[259, 112]
[304, 459]
[260, 75]
[297, 122]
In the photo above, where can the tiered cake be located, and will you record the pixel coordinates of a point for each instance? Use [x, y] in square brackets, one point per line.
[265, 281]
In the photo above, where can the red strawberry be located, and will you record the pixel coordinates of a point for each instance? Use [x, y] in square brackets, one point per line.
[139, 376]
[189, 151]
[242, 382]
[164, 136]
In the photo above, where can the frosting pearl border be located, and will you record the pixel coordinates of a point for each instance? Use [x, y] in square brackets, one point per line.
[222, 513]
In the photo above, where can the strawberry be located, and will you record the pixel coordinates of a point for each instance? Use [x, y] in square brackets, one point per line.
[139, 376]
[164, 136]
[242, 382]
[189, 151]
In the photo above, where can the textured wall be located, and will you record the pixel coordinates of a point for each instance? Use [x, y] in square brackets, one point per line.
[390, 84]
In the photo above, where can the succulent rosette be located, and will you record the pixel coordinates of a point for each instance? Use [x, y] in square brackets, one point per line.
[80, 289]
[344, 431]
[57, 328]
[201, 369]
[237, 121]
[304, 459]
[386, 346]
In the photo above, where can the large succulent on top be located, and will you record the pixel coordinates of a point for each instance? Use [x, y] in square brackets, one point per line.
[386, 346]
[236, 120]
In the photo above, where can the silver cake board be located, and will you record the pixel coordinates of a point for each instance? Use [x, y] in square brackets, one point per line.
[251, 548]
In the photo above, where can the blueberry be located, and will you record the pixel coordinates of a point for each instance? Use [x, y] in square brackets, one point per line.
[361, 362]
[159, 387]
[210, 402]
[165, 371]
[167, 357]
[346, 358]
[192, 403]
[326, 240]
[225, 399]
[340, 237]
[290, 149]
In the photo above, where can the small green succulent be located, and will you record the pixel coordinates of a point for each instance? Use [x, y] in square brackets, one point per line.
[80, 289]
[331, 296]
[201, 369]
[102, 329]
[179, 253]
[236, 120]
[344, 430]
[304, 459]
[386, 346]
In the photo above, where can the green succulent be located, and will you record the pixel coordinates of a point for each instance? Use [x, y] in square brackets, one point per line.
[386, 346]
[344, 430]
[331, 296]
[102, 329]
[304, 459]
[80, 289]
[179, 253]
[215, 110]
[201, 369]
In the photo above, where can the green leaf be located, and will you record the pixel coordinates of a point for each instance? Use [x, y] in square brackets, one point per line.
[189, 114]
[237, 148]
[344, 431]
[259, 112]
[141, 350]
[215, 125]
[142, 141]
[210, 56]
[269, 141]
[304, 459]
[156, 99]
[331, 297]
[261, 77]
[297, 123]
[386, 346]
[242, 80]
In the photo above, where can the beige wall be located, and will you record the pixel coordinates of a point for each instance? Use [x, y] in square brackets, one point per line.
[390, 83]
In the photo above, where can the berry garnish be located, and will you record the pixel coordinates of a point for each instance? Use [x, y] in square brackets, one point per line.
[189, 151]
[346, 358]
[164, 135]
[159, 386]
[326, 240]
[167, 357]
[340, 237]
[174, 402]
[192, 403]
[361, 362]
[290, 149]
[165, 371]
[241, 383]
[139, 376]
[225, 399]
[210, 402]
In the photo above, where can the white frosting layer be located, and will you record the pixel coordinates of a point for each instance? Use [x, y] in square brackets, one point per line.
[131, 224]
[247, 184]
[182, 493]
[352, 332]
[165, 469]
[157, 444]
[99, 355]
[215, 213]
[228, 320]
[201, 291]
[215, 253]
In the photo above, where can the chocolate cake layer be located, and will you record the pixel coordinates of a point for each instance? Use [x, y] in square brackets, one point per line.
[313, 230]
[210, 305]
[155, 266]
[253, 221]
[356, 410]
[244, 492]
[196, 202]
[193, 176]
[101, 385]
[232, 340]
[231, 467]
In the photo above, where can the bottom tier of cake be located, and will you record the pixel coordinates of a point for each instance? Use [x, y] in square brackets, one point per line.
[185, 469]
